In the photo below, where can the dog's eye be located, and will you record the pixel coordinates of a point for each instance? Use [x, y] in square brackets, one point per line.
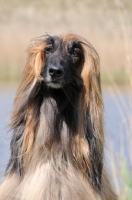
[48, 49]
[75, 52]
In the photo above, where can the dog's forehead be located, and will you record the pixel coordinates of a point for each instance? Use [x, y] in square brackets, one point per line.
[62, 42]
[52, 40]
[73, 43]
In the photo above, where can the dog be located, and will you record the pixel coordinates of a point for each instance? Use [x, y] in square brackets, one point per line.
[57, 147]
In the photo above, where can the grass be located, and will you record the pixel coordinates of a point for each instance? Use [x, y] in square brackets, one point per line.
[120, 78]
[9, 75]
[126, 177]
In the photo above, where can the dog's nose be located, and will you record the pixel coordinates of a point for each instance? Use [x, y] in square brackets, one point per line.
[55, 72]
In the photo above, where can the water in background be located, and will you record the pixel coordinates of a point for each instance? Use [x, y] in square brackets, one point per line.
[115, 119]
[6, 104]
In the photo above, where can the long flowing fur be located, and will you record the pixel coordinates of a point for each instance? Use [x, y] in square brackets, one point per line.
[57, 148]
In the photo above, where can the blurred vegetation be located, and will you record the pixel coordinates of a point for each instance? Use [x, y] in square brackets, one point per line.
[126, 176]
[94, 4]
[101, 22]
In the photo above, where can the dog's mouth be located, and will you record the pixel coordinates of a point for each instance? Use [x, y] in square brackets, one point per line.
[54, 84]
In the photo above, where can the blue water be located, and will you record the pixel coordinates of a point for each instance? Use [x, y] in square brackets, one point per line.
[6, 104]
[116, 120]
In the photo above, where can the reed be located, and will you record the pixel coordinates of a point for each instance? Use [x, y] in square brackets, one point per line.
[122, 164]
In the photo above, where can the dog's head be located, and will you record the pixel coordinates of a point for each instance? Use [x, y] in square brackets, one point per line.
[63, 62]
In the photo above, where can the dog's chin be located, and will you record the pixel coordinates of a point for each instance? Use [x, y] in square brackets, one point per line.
[54, 85]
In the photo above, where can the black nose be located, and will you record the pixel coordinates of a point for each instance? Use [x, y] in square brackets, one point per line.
[55, 72]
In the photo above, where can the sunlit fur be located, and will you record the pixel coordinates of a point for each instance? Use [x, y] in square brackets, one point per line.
[57, 148]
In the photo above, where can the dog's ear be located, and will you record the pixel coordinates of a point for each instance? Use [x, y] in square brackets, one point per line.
[31, 79]
[26, 111]
[93, 111]
[35, 63]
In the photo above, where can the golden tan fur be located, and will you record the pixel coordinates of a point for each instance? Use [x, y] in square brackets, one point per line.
[52, 170]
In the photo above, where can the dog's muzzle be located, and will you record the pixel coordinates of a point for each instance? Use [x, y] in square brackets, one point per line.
[55, 76]
[56, 72]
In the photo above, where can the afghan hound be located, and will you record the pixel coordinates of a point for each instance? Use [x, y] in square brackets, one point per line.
[57, 148]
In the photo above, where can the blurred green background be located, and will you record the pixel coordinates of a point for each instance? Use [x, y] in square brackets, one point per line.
[107, 24]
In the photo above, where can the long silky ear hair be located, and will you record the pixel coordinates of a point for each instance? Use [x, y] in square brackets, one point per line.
[92, 156]
[93, 112]
[25, 116]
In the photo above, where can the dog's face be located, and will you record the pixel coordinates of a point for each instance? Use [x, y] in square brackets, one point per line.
[63, 61]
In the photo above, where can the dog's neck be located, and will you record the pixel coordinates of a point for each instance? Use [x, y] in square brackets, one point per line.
[59, 116]
[58, 124]
[62, 106]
